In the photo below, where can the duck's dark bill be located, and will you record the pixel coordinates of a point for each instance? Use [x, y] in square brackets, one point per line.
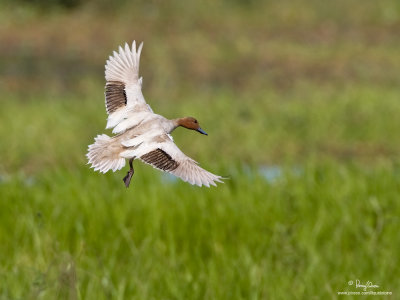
[202, 131]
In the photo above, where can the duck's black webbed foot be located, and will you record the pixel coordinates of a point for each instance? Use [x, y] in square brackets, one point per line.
[128, 177]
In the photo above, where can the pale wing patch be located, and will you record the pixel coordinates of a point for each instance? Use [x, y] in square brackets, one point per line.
[115, 96]
[189, 171]
[131, 119]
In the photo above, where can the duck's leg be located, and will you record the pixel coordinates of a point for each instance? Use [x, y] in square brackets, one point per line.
[128, 177]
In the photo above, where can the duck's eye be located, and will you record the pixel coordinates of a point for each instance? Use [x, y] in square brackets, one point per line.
[195, 121]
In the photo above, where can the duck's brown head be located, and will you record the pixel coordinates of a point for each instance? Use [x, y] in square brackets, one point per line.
[191, 123]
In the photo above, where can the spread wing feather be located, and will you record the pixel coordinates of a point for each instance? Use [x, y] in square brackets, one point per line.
[123, 95]
[166, 156]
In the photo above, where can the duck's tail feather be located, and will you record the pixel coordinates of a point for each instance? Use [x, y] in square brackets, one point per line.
[103, 155]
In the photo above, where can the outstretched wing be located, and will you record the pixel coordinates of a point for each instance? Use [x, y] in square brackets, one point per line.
[124, 87]
[162, 153]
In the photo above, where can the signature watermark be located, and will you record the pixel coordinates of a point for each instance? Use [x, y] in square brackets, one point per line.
[364, 288]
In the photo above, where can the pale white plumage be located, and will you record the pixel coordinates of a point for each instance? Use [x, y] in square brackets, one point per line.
[124, 67]
[141, 134]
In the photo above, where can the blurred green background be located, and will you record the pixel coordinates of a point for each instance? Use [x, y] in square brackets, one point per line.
[301, 101]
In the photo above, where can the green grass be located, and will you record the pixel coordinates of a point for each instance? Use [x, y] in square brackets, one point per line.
[303, 236]
[330, 216]
[301, 102]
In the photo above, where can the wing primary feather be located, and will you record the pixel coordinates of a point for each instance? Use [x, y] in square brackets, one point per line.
[118, 59]
[122, 56]
[139, 51]
[128, 55]
[134, 53]
[115, 65]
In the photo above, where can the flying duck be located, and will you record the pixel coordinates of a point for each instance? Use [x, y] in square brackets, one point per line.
[139, 132]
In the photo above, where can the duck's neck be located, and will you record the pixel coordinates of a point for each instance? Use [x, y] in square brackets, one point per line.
[173, 124]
